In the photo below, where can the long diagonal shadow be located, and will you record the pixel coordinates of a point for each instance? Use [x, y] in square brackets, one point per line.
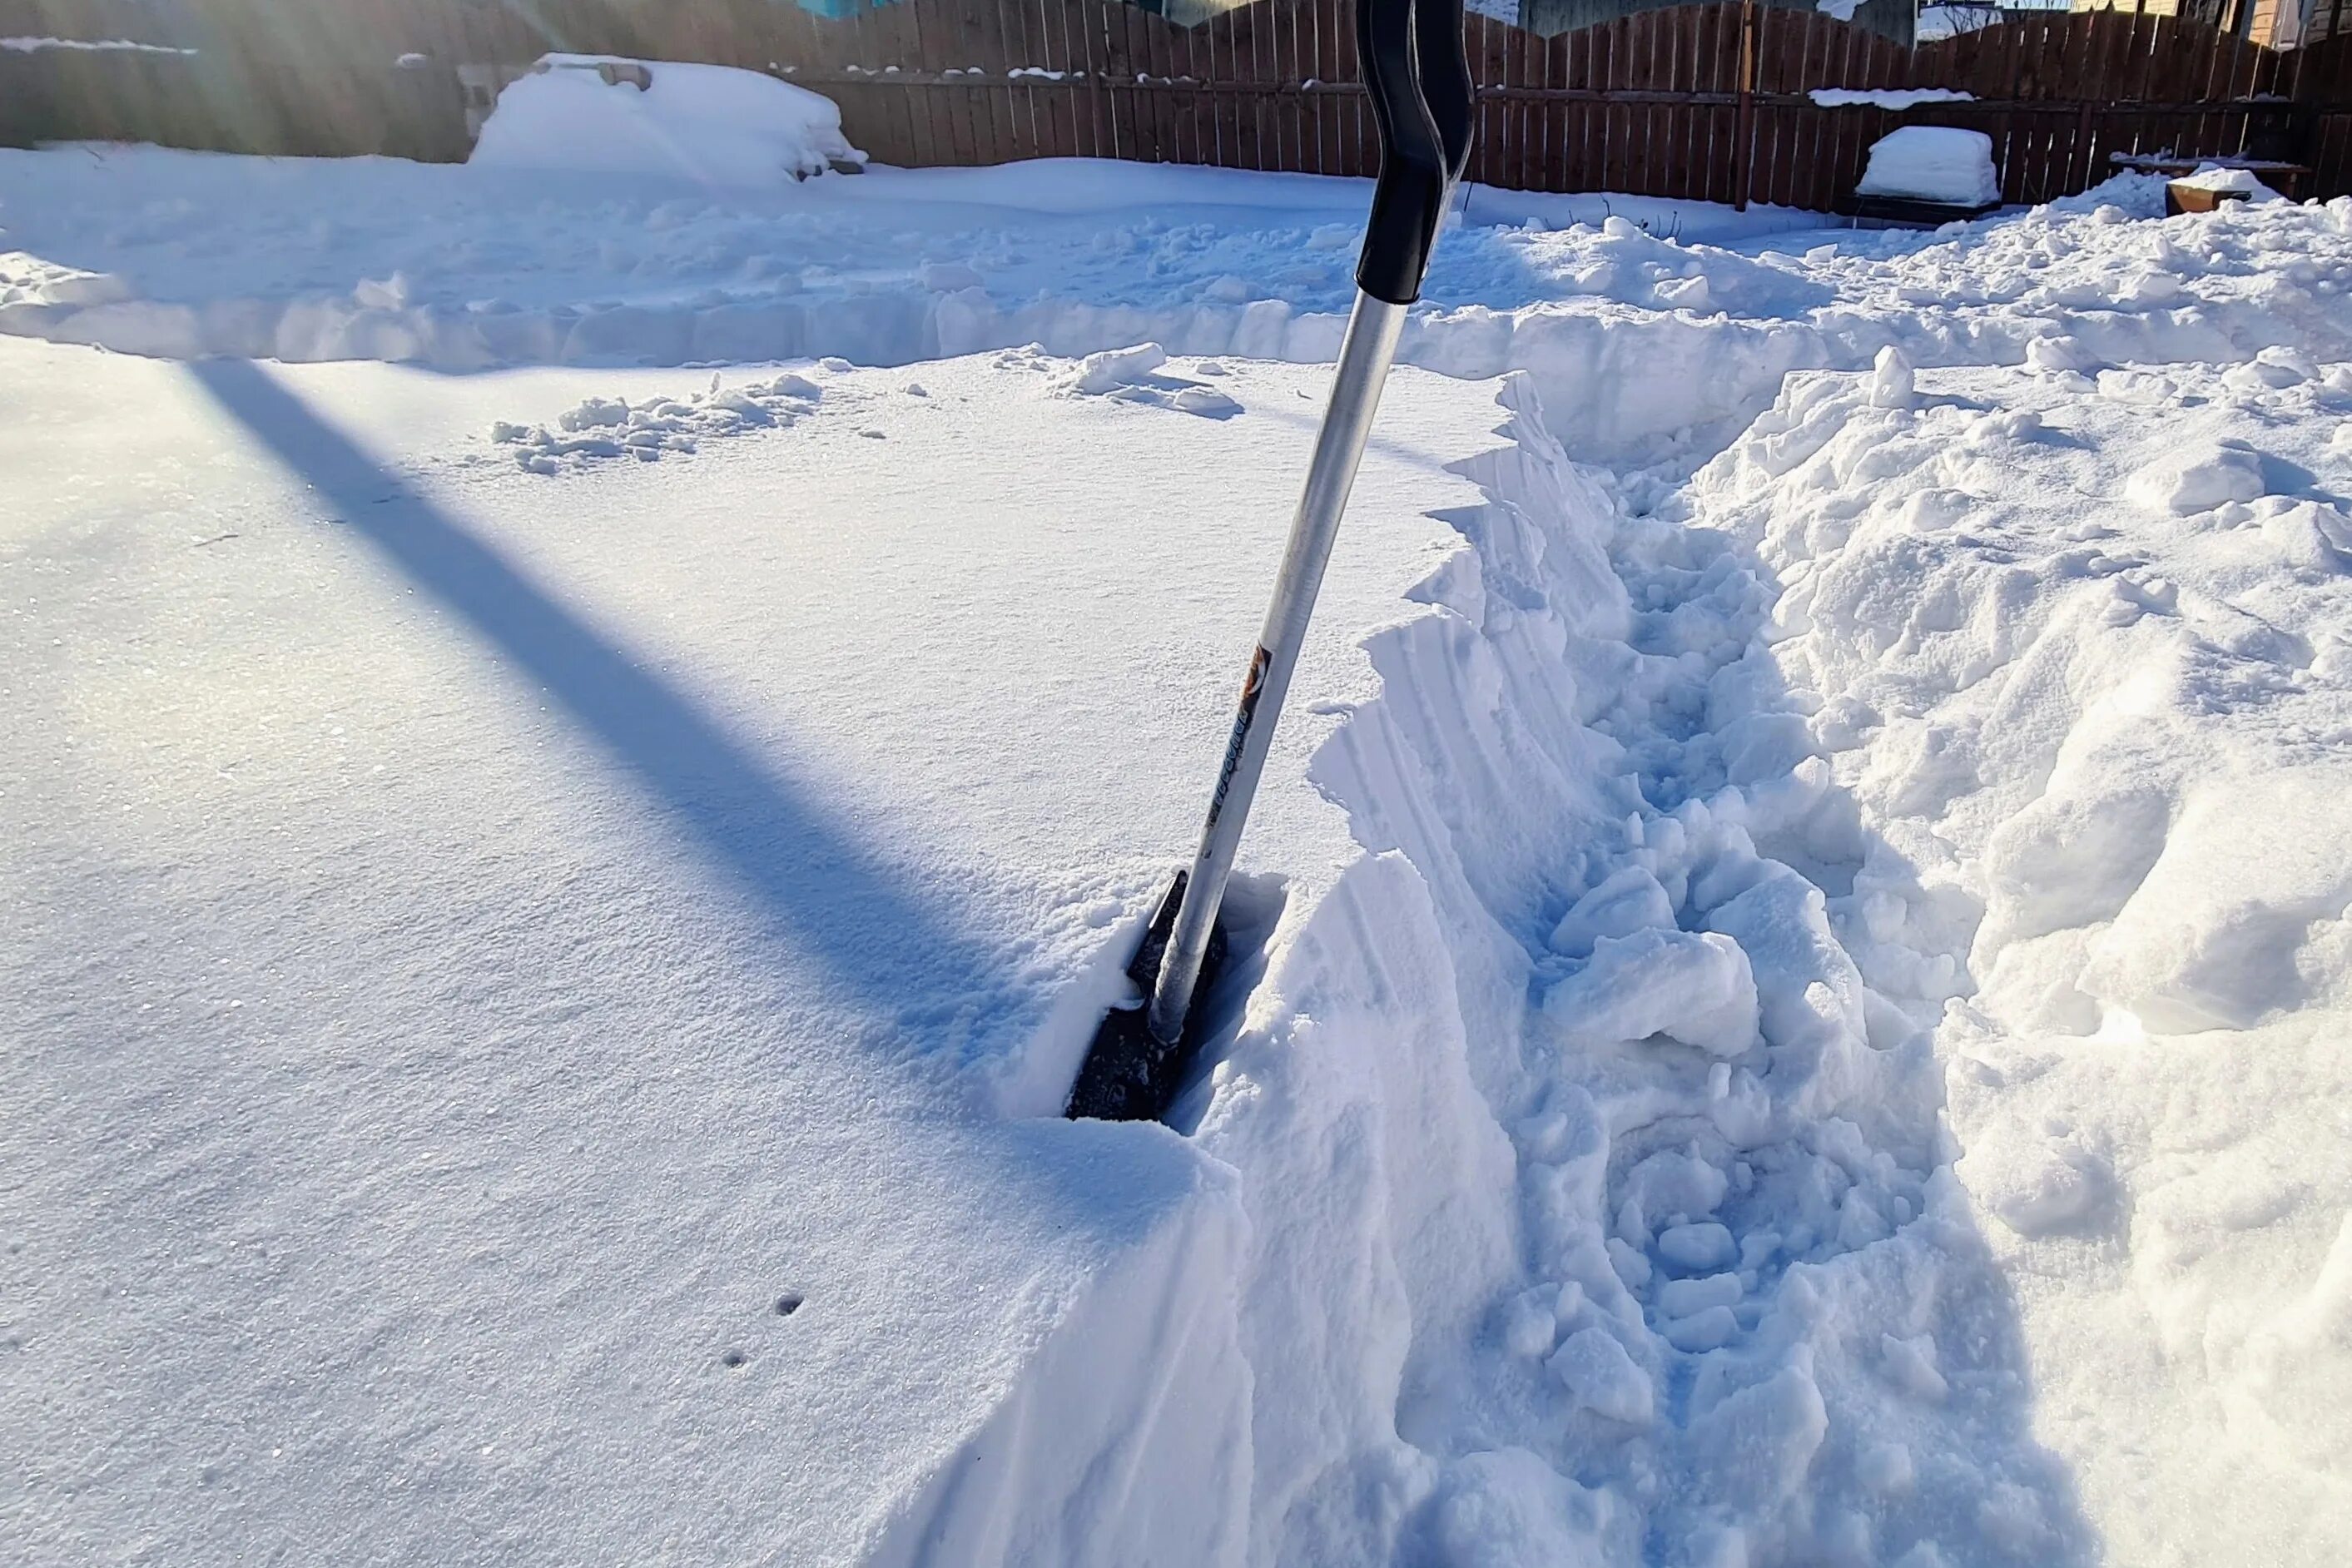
[827, 894]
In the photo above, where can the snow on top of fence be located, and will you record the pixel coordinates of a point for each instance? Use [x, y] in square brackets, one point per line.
[1886, 98]
[34, 46]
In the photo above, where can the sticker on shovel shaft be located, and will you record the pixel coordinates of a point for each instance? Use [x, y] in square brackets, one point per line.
[1252, 685]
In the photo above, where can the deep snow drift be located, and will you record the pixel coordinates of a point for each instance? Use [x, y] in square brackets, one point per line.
[1793, 982]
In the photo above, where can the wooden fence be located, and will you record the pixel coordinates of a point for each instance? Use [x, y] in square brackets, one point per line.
[1710, 101]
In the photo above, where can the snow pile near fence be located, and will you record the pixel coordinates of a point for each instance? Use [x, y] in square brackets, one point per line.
[2214, 177]
[1932, 163]
[711, 125]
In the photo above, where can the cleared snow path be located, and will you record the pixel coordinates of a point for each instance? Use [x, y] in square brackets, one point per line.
[1687, 1278]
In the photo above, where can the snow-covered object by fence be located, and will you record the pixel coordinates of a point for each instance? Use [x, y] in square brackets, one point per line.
[713, 124]
[2238, 181]
[1933, 163]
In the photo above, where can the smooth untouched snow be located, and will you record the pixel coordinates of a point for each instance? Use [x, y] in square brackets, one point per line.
[476, 942]
[1791, 986]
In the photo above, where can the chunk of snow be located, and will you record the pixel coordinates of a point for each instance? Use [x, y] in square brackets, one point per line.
[1629, 899]
[1690, 986]
[1675, 1185]
[1760, 1442]
[1696, 1247]
[1891, 379]
[1099, 374]
[1710, 1328]
[1529, 1325]
[1808, 993]
[1685, 1298]
[2197, 479]
[1601, 1377]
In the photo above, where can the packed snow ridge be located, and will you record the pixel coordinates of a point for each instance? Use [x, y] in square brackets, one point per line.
[1692, 319]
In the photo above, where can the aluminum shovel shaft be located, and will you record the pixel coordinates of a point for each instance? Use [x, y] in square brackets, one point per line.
[1364, 359]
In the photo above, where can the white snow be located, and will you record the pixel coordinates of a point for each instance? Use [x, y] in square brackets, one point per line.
[2215, 177]
[487, 939]
[709, 126]
[1932, 162]
[2085, 645]
[1791, 963]
[26, 45]
[1886, 98]
[465, 268]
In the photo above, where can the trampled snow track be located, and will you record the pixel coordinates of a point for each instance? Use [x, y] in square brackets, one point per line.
[1729, 1303]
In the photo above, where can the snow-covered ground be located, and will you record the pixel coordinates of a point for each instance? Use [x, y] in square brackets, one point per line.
[1795, 955]
[1689, 317]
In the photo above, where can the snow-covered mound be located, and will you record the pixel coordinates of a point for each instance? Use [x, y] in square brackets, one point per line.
[1934, 163]
[2244, 182]
[710, 124]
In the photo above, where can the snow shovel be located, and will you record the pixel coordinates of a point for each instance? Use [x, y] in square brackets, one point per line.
[1419, 79]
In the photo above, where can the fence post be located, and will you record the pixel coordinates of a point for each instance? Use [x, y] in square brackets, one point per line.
[1744, 126]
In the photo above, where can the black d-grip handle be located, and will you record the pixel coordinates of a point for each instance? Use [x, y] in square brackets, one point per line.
[1419, 77]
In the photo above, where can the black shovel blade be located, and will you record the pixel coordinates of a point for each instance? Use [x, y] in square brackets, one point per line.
[1127, 1076]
